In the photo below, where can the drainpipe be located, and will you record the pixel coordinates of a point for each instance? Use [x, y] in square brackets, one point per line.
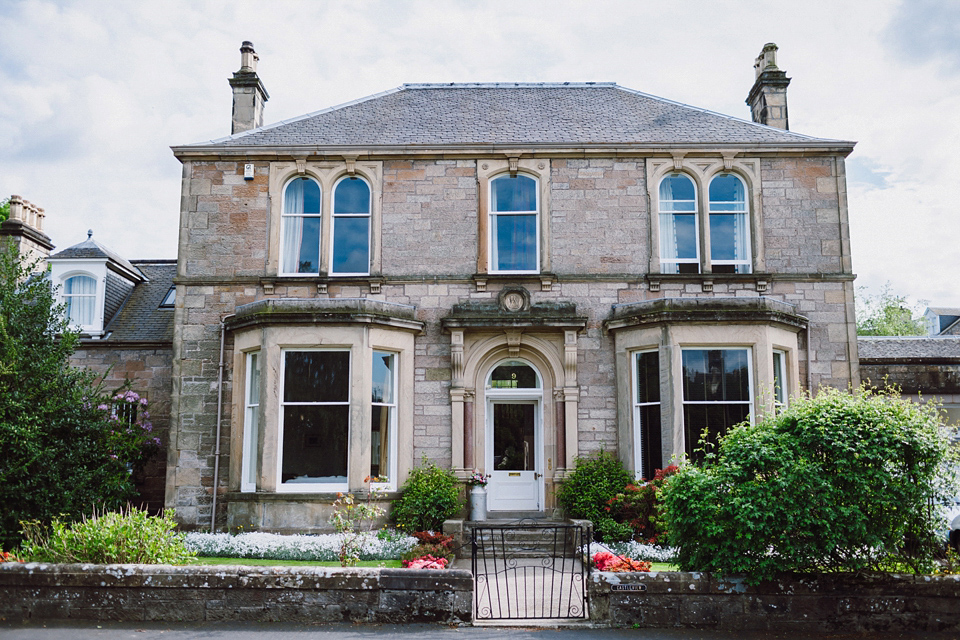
[216, 452]
[809, 373]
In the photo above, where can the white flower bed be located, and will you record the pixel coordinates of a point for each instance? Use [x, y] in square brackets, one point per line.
[322, 548]
[637, 551]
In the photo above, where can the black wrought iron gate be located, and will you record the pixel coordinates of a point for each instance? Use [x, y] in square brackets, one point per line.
[531, 570]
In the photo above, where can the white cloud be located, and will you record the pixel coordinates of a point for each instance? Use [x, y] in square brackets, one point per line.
[95, 92]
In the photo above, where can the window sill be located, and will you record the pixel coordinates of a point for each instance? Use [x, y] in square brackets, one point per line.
[290, 496]
[761, 281]
[373, 283]
[546, 280]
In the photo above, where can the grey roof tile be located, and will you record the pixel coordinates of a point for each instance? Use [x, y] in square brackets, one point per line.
[908, 347]
[140, 319]
[430, 115]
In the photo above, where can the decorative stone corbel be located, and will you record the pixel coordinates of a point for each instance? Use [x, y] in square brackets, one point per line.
[322, 288]
[267, 287]
[762, 286]
[546, 283]
[514, 165]
[570, 357]
[301, 164]
[654, 284]
[707, 286]
[456, 358]
[728, 157]
[678, 159]
[481, 284]
[351, 164]
[513, 341]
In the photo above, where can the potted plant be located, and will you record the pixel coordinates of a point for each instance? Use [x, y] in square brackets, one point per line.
[478, 495]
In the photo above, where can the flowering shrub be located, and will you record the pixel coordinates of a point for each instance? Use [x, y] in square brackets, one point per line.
[6, 556]
[348, 519]
[639, 507]
[130, 436]
[428, 497]
[606, 561]
[431, 537]
[320, 548]
[426, 562]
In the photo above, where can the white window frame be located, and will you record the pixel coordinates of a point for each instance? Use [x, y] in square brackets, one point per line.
[698, 221]
[391, 484]
[333, 225]
[251, 423]
[749, 349]
[312, 487]
[639, 471]
[781, 397]
[283, 219]
[492, 224]
[748, 261]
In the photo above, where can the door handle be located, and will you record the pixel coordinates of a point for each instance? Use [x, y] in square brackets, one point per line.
[537, 476]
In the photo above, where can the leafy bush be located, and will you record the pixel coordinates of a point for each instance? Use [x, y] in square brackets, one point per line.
[63, 451]
[585, 494]
[639, 508]
[428, 497]
[272, 546]
[114, 537]
[610, 530]
[839, 482]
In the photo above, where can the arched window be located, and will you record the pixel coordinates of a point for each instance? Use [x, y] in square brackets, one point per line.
[300, 251]
[514, 224]
[351, 227]
[514, 374]
[679, 232]
[80, 296]
[729, 225]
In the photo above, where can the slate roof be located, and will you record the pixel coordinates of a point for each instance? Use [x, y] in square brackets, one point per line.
[90, 248]
[908, 348]
[140, 319]
[436, 115]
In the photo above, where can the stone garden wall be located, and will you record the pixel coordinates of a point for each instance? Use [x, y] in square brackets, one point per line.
[213, 593]
[805, 604]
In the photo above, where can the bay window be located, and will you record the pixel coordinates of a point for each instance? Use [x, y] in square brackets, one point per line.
[716, 395]
[315, 420]
[251, 423]
[383, 418]
[648, 450]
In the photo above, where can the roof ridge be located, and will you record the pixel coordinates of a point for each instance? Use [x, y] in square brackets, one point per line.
[504, 85]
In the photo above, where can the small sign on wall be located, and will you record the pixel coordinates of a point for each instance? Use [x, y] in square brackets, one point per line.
[628, 587]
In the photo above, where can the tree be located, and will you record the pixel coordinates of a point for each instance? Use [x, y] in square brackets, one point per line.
[840, 482]
[4, 209]
[62, 453]
[887, 315]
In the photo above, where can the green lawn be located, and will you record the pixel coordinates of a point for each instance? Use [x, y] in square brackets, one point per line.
[390, 564]
[663, 566]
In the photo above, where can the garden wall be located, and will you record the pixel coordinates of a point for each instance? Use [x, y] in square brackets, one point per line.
[209, 593]
[808, 604]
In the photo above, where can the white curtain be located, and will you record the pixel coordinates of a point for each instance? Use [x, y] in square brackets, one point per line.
[80, 294]
[741, 235]
[668, 243]
[292, 227]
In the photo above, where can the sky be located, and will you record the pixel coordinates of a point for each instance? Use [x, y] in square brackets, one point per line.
[94, 93]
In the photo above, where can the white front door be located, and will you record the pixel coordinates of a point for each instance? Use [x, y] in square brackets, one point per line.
[514, 455]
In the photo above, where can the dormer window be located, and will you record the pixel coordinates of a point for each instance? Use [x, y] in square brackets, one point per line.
[80, 297]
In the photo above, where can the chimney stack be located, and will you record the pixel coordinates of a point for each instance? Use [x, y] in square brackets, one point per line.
[768, 97]
[24, 229]
[249, 94]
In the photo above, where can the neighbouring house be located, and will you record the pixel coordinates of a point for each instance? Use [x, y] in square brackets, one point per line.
[124, 312]
[492, 276]
[942, 321]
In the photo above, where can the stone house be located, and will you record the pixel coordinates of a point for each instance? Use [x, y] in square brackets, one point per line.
[498, 277]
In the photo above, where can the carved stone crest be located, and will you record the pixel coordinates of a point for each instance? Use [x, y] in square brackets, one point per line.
[514, 300]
